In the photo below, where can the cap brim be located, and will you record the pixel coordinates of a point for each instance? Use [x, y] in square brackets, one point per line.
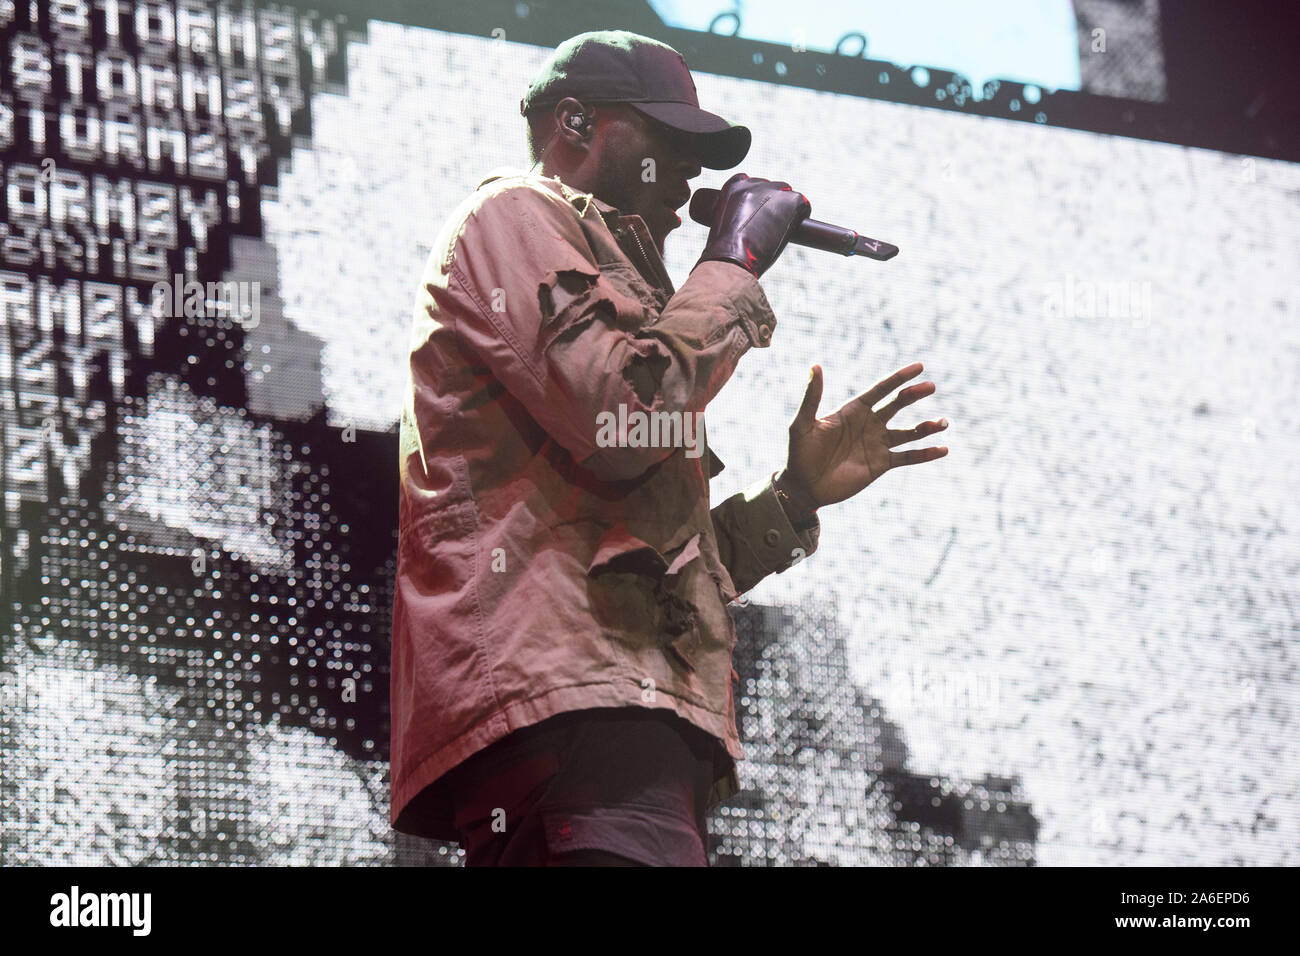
[719, 144]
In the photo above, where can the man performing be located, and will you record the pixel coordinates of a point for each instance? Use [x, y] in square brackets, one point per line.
[561, 657]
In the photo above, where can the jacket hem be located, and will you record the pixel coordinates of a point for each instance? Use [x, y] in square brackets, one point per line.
[521, 714]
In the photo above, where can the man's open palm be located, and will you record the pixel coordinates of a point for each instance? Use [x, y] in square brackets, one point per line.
[834, 458]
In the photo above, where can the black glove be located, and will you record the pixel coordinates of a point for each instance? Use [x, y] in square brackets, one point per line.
[753, 222]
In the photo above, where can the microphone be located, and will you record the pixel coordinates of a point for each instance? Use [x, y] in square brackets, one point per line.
[810, 232]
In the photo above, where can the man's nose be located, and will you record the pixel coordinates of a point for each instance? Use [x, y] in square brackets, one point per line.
[682, 157]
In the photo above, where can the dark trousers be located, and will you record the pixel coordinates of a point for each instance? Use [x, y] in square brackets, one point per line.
[604, 787]
[527, 846]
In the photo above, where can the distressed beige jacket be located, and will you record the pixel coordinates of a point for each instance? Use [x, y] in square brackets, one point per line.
[557, 547]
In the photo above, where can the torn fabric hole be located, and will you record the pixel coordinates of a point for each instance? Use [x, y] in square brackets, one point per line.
[645, 373]
[690, 551]
[620, 551]
[679, 614]
[568, 300]
[569, 283]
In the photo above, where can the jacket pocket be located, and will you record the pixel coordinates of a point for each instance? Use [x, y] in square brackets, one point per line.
[435, 547]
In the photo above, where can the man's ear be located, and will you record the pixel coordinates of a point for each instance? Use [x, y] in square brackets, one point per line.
[574, 122]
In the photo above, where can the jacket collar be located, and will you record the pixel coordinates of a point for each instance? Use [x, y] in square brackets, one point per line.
[651, 269]
[580, 200]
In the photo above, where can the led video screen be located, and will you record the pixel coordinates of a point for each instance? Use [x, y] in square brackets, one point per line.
[1070, 641]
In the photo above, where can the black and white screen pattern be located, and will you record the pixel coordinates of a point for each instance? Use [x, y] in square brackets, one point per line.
[1071, 641]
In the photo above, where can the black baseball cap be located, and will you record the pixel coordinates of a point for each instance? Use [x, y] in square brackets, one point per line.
[615, 66]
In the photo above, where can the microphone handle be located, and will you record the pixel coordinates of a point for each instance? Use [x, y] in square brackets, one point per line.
[810, 232]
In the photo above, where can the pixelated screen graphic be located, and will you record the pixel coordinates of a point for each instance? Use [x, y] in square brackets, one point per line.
[1071, 641]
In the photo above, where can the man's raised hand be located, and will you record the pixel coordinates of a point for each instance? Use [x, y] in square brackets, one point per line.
[831, 459]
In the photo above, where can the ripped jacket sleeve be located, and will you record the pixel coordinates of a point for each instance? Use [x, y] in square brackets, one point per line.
[570, 344]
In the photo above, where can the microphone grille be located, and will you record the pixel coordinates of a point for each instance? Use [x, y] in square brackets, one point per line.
[704, 206]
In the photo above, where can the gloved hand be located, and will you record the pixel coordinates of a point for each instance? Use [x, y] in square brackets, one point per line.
[753, 222]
